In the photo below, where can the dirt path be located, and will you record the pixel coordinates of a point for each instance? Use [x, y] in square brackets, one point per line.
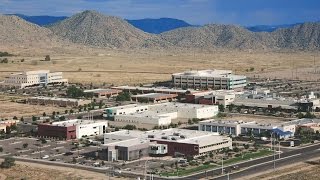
[2, 176]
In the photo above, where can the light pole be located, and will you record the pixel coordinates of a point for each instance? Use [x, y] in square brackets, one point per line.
[145, 169]
[222, 164]
[273, 149]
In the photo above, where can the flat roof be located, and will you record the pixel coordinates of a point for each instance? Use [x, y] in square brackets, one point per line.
[55, 99]
[287, 104]
[171, 135]
[102, 91]
[151, 114]
[156, 89]
[127, 106]
[210, 73]
[302, 121]
[75, 122]
[155, 96]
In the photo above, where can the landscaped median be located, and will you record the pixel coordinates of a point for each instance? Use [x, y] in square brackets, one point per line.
[185, 172]
[248, 156]
[244, 157]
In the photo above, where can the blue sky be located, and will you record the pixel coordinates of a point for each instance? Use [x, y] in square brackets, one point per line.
[241, 12]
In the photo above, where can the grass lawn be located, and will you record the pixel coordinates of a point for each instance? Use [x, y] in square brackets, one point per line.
[247, 156]
[184, 172]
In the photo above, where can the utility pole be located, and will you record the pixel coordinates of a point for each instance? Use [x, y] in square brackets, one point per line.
[222, 165]
[274, 155]
[279, 150]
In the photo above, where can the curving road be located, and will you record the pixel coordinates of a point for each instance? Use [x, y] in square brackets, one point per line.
[258, 165]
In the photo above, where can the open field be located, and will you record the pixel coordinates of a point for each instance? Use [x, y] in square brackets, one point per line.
[119, 68]
[10, 109]
[298, 171]
[35, 171]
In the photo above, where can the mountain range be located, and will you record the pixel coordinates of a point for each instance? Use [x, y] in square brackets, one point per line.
[154, 26]
[91, 28]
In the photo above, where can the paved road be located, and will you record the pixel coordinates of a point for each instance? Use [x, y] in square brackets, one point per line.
[256, 166]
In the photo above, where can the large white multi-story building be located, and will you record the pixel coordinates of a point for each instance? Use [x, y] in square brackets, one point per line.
[34, 78]
[214, 79]
[159, 114]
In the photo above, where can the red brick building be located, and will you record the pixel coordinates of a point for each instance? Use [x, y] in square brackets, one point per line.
[182, 148]
[64, 132]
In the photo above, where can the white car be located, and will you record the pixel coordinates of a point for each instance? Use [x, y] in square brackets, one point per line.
[45, 157]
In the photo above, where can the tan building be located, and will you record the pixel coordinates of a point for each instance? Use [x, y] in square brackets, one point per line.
[34, 78]
[7, 123]
[53, 101]
[310, 128]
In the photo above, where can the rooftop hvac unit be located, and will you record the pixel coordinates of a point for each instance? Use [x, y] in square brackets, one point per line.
[164, 137]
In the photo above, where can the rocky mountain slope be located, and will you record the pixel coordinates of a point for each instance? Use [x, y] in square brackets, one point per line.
[301, 37]
[95, 29]
[14, 30]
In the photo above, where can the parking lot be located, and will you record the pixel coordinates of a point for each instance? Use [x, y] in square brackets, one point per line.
[51, 150]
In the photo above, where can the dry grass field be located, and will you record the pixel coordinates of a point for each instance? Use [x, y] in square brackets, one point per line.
[297, 171]
[39, 172]
[120, 68]
[10, 109]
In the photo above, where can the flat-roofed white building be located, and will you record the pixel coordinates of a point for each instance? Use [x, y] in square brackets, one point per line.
[185, 110]
[34, 78]
[147, 117]
[240, 127]
[160, 114]
[214, 79]
[122, 110]
[173, 141]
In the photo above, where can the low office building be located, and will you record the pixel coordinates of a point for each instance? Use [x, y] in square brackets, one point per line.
[121, 110]
[224, 97]
[103, 93]
[213, 79]
[147, 118]
[161, 142]
[145, 90]
[154, 97]
[159, 114]
[54, 101]
[237, 128]
[72, 129]
[34, 78]
[7, 123]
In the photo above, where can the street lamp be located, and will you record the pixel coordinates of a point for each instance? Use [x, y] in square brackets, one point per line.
[145, 169]
[273, 149]
[222, 164]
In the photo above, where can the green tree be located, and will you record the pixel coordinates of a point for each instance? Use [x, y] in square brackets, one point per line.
[34, 118]
[221, 108]
[8, 162]
[124, 96]
[15, 118]
[71, 111]
[1, 149]
[44, 114]
[47, 58]
[74, 92]
[231, 107]
[25, 145]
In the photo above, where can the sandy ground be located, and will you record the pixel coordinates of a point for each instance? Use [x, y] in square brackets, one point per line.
[119, 68]
[10, 109]
[295, 171]
[39, 172]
